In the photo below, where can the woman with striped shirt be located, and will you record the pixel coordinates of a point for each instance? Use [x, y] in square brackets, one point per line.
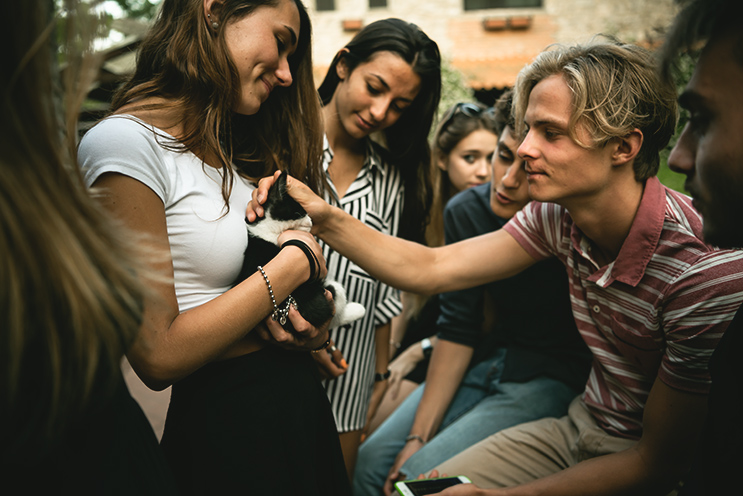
[386, 81]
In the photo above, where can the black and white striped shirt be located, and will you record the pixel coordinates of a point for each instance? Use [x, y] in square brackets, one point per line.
[376, 198]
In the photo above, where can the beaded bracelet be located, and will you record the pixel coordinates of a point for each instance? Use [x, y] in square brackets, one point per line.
[279, 314]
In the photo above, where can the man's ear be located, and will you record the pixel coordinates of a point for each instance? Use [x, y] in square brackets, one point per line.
[341, 68]
[627, 147]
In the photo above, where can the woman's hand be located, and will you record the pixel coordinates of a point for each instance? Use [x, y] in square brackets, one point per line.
[317, 208]
[331, 362]
[402, 366]
[305, 337]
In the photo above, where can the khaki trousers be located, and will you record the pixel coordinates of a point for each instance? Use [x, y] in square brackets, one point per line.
[534, 450]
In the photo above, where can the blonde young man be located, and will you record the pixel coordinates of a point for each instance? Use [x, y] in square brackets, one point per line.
[649, 297]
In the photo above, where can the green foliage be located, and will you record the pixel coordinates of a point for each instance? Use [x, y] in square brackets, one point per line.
[682, 73]
[78, 25]
[671, 179]
[139, 9]
[454, 89]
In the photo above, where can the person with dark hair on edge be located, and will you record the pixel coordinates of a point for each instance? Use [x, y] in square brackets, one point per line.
[710, 152]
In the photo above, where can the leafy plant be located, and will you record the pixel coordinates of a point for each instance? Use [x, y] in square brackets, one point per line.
[139, 9]
[682, 74]
[454, 89]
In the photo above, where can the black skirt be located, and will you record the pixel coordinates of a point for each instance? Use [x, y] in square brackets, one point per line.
[259, 424]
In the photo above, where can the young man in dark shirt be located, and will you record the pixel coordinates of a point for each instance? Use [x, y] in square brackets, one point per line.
[710, 152]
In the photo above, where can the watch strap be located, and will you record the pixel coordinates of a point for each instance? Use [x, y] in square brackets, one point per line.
[382, 377]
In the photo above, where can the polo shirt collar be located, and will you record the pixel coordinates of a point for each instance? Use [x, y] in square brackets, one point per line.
[641, 242]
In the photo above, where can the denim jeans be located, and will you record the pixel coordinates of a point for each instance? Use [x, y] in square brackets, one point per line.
[483, 405]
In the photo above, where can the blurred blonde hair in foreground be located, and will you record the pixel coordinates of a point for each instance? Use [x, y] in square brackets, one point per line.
[70, 297]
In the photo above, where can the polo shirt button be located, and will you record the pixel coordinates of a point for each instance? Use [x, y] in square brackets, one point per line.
[596, 308]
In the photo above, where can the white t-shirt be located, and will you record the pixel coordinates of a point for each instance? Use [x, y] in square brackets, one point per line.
[207, 245]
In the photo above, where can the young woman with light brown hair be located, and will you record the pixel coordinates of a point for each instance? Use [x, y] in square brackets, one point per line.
[222, 94]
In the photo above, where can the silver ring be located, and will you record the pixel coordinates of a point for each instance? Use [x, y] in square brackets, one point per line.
[332, 348]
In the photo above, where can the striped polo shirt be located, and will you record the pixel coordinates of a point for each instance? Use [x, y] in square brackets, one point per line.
[658, 310]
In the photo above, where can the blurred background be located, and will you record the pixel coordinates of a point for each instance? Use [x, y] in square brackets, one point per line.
[484, 43]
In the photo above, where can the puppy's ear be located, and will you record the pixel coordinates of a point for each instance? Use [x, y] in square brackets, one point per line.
[280, 185]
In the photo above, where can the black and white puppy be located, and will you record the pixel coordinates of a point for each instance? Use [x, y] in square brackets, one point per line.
[283, 213]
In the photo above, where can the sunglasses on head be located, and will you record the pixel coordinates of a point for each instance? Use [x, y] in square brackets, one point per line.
[468, 109]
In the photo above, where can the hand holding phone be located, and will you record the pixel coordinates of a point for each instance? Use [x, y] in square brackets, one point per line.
[421, 487]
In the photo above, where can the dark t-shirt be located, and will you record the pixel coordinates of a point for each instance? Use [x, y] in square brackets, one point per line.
[532, 316]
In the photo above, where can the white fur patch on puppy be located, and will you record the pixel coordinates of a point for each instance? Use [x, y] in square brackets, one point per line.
[345, 311]
[269, 229]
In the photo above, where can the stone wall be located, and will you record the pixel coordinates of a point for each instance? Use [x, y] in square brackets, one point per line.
[492, 58]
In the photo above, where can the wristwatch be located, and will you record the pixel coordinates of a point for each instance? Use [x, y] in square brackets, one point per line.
[427, 347]
[382, 377]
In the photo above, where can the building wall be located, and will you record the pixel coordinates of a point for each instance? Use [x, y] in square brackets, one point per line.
[493, 58]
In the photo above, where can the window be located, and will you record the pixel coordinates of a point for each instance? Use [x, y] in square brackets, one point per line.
[500, 4]
[325, 5]
[377, 3]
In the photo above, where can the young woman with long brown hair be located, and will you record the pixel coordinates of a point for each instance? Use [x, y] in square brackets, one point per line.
[379, 98]
[223, 93]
